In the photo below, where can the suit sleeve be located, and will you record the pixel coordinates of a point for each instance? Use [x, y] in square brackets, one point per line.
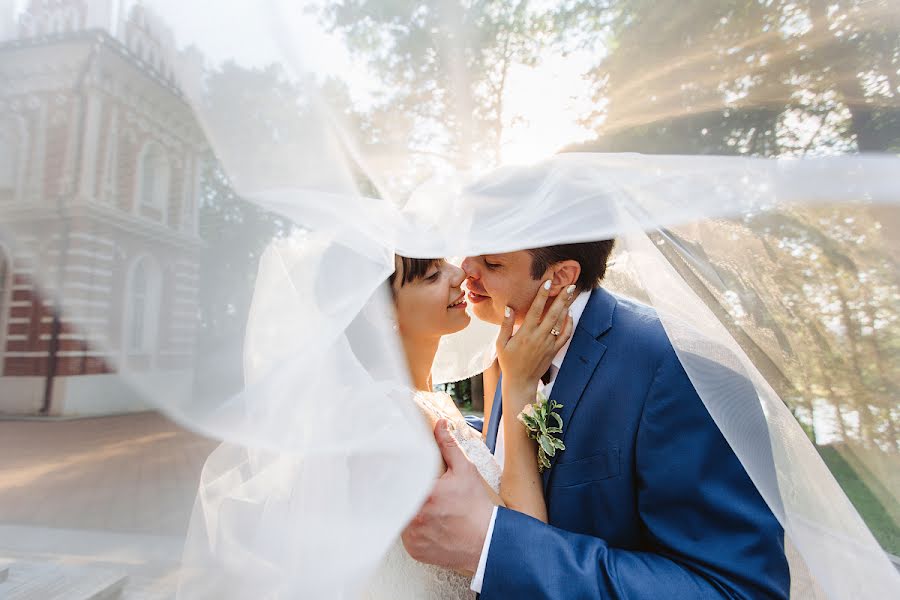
[476, 423]
[708, 532]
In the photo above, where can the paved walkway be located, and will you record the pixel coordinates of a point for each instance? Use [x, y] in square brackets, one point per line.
[113, 491]
[135, 473]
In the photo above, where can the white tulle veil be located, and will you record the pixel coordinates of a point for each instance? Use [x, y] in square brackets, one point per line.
[200, 206]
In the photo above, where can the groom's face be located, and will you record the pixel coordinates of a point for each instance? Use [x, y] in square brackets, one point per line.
[496, 281]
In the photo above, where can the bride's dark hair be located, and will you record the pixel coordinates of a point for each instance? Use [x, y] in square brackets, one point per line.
[410, 269]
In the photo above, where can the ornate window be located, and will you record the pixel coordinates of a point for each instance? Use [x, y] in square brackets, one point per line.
[153, 179]
[110, 189]
[142, 307]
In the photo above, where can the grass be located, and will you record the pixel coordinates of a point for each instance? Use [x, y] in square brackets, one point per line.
[883, 527]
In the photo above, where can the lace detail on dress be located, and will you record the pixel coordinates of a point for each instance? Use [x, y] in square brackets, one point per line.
[400, 577]
[482, 458]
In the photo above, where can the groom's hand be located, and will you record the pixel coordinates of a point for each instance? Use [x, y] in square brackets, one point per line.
[450, 528]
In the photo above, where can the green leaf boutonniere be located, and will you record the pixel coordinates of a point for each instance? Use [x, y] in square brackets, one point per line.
[537, 419]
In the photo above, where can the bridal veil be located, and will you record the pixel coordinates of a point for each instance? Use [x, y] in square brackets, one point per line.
[199, 207]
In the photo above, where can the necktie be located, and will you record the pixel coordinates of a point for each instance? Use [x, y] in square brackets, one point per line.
[547, 377]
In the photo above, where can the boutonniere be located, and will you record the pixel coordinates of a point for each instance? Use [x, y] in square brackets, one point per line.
[537, 419]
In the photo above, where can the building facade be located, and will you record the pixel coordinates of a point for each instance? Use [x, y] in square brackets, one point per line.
[100, 183]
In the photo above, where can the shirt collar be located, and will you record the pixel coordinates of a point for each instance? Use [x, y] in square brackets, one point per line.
[576, 310]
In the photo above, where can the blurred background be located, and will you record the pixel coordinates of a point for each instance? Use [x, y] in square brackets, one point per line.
[113, 199]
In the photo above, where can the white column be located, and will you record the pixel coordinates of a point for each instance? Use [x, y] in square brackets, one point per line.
[107, 193]
[65, 186]
[36, 186]
[87, 181]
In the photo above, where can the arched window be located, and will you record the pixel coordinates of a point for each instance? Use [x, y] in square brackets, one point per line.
[153, 179]
[143, 295]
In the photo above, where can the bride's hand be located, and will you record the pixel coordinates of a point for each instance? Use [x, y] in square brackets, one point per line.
[526, 356]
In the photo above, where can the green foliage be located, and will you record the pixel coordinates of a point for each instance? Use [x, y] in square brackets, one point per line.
[235, 230]
[670, 76]
[817, 314]
[879, 521]
[443, 69]
[759, 78]
[539, 419]
[460, 391]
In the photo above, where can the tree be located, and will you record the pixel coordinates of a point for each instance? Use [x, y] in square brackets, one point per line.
[443, 67]
[235, 230]
[759, 78]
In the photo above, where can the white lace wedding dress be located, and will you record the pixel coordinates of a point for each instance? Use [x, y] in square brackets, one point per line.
[401, 577]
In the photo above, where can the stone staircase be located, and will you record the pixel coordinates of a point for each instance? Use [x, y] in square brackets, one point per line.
[53, 564]
[52, 581]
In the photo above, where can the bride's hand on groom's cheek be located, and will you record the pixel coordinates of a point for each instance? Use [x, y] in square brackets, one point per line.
[450, 528]
[526, 356]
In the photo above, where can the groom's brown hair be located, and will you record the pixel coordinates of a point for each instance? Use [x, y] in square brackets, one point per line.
[592, 256]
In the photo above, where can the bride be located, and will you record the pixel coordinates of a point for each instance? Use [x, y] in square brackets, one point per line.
[430, 303]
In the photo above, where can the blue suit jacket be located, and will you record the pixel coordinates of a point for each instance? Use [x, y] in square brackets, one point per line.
[648, 500]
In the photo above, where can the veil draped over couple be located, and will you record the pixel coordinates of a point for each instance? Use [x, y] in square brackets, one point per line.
[680, 470]
[686, 358]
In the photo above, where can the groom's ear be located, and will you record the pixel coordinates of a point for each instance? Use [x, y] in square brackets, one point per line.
[565, 273]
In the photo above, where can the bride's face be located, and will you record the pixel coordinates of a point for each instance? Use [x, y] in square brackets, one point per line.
[496, 281]
[433, 304]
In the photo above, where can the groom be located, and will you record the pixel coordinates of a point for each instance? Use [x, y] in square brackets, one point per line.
[647, 501]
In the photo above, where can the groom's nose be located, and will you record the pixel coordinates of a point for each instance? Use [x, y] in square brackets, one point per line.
[468, 266]
[458, 276]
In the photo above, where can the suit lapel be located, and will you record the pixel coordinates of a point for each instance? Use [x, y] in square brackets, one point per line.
[581, 361]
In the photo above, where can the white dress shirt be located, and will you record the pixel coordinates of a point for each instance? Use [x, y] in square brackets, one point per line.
[576, 310]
